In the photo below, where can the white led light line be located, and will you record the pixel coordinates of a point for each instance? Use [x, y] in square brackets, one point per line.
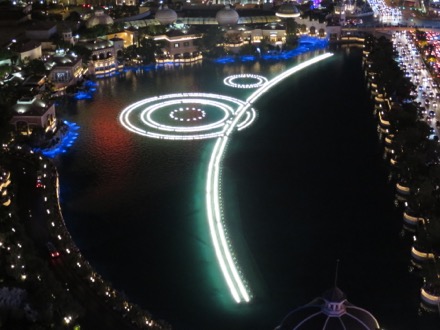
[237, 286]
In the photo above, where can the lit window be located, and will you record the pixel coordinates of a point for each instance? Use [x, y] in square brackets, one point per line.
[176, 45]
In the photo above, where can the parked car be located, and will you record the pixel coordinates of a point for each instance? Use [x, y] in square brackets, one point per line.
[39, 183]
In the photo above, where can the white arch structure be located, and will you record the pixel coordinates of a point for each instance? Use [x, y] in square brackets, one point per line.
[238, 118]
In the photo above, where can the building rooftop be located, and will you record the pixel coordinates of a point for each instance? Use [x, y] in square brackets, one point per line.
[30, 106]
[331, 311]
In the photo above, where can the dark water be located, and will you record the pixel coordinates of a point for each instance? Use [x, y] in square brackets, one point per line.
[305, 185]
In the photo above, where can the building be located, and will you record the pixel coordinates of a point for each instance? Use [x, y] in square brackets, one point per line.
[331, 311]
[126, 3]
[40, 30]
[274, 33]
[66, 70]
[27, 49]
[44, 32]
[99, 18]
[180, 43]
[5, 199]
[67, 35]
[33, 85]
[103, 61]
[32, 113]
[179, 46]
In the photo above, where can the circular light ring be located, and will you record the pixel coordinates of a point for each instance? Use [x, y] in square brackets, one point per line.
[146, 116]
[230, 80]
[138, 117]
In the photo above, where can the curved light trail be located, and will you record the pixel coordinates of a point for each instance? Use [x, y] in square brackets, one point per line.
[237, 115]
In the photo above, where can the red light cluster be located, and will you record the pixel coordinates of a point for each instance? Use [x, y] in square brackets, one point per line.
[55, 254]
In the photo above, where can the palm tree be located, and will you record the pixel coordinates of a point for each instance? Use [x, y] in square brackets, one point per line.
[212, 41]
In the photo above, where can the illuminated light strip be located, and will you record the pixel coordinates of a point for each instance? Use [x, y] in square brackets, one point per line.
[245, 121]
[226, 250]
[212, 224]
[250, 118]
[223, 252]
[183, 137]
[284, 75]
[221, 246]
[229, 81]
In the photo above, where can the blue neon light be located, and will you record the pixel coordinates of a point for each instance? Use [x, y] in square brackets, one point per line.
[83, 95]
[66, 141]
[305, 44]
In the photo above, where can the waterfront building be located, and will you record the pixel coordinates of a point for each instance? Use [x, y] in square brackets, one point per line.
[274, 33]
[103, 61]
[66, 70]
[179, 46]
[179, 40]
[331, 311]
[30, 113]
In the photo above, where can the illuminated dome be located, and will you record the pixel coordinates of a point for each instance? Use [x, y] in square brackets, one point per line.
[287, 10]
[99, 18]
[332, 311]
[227, 16]
[166, 15]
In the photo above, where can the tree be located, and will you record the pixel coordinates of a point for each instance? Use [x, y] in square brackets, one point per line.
[8, 96]
[96, 31]
[82, 51]
[5, 53]
[148, 50]
[291, 42]
[248, 49]
[4, 70]
[212, 39]
[291, 27]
